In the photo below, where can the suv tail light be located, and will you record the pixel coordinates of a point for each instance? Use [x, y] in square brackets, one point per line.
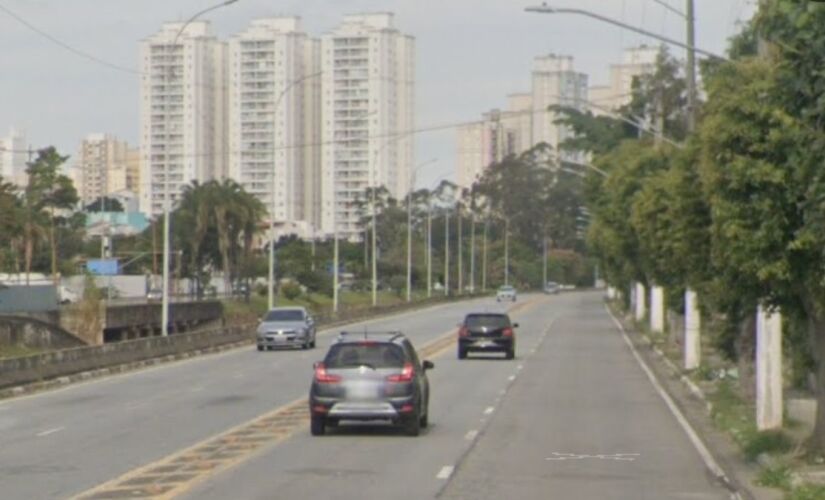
[322, 377]
[406, 374]
[507, 332]
[463, 332]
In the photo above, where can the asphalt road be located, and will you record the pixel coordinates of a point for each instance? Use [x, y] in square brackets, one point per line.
[573, 416]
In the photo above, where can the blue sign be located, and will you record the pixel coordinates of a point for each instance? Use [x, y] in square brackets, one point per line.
[103, 267]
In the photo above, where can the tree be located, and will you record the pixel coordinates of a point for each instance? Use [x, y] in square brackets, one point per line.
[47, 192]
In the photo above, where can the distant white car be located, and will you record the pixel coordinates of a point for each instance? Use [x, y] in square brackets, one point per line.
[506, 293]
[155, 294]
[552, 288]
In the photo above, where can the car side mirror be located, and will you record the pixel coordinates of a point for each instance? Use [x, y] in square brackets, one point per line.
[515, 325]
[427, 365]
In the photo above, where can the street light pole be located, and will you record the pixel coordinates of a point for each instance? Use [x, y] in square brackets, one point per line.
[409, 225]
[472, 251]
[484, 257]
[271, 281]
[546, 9]
[446, 252]
[164, 308]
[507, 252]
[429, 248]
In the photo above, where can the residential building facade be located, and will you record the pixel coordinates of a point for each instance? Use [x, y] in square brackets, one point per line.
[271, 114]
[104, 166]
[555, 82]
[182, 99]
[367, 116]
[636, 61]
[13, 157]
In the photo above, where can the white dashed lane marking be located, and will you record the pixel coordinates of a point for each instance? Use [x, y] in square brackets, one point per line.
[471, 435]
[445, 472]
[489, 410]
[50, 431]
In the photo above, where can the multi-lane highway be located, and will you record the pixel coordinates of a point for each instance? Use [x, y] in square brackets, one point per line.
[573, 416]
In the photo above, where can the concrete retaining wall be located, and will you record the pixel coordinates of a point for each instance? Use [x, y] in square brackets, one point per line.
[25, 370]
[35, 333]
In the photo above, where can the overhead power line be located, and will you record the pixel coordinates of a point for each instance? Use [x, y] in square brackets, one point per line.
[66, 46]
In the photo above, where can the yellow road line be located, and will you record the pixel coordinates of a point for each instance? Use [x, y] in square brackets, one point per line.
[175, 474]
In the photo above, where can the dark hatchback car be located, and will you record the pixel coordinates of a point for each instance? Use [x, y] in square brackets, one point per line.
[370, 377]
[487, 332]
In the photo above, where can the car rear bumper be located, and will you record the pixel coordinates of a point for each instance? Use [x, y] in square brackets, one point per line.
[485, 344]
[387, 409]
[284, 341]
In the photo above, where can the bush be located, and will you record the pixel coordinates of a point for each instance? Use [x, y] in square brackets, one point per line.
[291, 290]
[771, 442]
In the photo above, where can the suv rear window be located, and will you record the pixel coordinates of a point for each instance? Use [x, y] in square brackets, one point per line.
[490, 320]
[374, 354]
[285, 315]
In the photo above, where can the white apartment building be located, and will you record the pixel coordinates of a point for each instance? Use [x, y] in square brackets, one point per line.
[273, 115]
[636, 61]
[367, 116]
[525, 122]
[13, 157]
[555, 82]
[105, 166]
[498, 135]
[182, 101]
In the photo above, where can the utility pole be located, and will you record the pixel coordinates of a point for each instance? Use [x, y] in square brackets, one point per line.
[507, 252]
[429, 247]
[446, 252]
[472, 251]
[690, 74]
[484, 258]
[460, 257]
[544, 263]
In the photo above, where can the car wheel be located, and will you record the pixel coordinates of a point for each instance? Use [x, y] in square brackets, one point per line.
[305, 345]
[462, 353]
[413, 426]
[260, 348]
[511, 353]
[317, 425]
[424, 421]
[312, 344]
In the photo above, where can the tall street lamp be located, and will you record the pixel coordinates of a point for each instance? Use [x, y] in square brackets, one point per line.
[430, 236]
[546, 9]
[271, 281]
[409, 225]
[164, 308]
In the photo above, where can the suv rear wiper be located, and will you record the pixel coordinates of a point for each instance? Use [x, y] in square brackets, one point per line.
[359, 364]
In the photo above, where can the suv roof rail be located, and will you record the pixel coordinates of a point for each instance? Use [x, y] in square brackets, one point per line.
[392, 334]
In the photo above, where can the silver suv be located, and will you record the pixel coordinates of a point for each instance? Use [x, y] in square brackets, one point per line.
[370, 376]
[286, 327]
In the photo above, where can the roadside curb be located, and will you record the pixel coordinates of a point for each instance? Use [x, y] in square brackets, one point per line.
[711, 462]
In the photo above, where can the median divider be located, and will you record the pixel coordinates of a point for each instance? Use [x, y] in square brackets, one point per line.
[48, 370]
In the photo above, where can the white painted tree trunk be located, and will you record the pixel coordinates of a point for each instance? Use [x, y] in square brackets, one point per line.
[768, 370]
[641, 306]
[693, 329]
[657, 309]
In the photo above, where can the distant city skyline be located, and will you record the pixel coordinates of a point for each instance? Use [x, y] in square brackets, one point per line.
[464, 67]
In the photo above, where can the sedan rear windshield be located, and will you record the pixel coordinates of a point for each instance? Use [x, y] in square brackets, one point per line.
[373, 354]
[488, 320]
[289, 315]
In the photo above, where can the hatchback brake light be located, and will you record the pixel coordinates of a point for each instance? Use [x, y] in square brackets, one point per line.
[507, 332]
[406, 374]
[322, 377]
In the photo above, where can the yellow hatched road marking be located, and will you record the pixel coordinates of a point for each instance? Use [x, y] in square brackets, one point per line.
[177, 473]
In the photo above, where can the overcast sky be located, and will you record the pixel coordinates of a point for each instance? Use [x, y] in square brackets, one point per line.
[471, 54]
